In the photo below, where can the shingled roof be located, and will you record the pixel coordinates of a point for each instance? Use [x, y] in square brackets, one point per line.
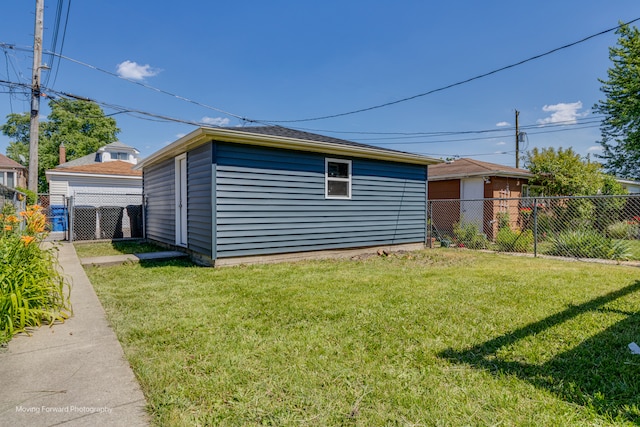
[285, 138]
[298, 134]
[93, 158]
[117, 167]
[465, 168]
[7, 163]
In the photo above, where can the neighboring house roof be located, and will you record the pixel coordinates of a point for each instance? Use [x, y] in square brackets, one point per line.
[467, 168]
[89, 159]
[7, 163]
[117, 145]
[632, 186]
[93, 158]
[114, 168]
[281, 137]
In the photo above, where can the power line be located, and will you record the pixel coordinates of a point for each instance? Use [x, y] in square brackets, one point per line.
[64, 35]
[145, 115]
[502, 132]
[480, 138]
[141, 114]
[497, 153]
[440, 89]
[272, 122]
[147, 86]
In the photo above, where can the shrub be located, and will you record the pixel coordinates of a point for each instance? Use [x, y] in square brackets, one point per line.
[32, 290]
[503, 220]
[588, 244]
[32, 197]
[623, 230]
[467, 235]
[508, 240]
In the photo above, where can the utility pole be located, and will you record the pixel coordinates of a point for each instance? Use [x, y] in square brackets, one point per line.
[517, 141]
[34, 128]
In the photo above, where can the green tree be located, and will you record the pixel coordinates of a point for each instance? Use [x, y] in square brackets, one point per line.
[620, 128]
[565, 173]
[80, 125]
[17, 128]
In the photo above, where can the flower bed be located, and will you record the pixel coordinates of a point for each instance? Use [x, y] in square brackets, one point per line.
[32, 291]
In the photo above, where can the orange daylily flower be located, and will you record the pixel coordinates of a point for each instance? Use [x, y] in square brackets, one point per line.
[27, 239]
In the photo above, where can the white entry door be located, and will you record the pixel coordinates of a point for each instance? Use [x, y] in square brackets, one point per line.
[472, 203]
[181, 200]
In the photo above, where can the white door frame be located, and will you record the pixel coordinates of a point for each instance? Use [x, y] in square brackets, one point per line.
[181, 199]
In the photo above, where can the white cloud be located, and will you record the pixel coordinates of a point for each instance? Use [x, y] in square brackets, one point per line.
[594, 148]
[562, 113]
[215, 121]
[180, 135]
[133, 70]
[502, 124]
[501, 143]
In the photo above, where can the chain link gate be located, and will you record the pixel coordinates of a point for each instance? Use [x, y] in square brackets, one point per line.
[99, 216]
[606, 227]
[55, 207]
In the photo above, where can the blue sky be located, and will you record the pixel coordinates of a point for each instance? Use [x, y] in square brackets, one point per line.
[289, 60]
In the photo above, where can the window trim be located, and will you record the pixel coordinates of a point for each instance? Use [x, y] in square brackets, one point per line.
[348, 180]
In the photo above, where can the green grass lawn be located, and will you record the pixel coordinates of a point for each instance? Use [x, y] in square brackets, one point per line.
[437, 337]
[85, 250]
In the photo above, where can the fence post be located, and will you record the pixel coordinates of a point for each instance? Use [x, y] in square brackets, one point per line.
[71, 218]
[429, 225]
[144, 216]
[535, 227]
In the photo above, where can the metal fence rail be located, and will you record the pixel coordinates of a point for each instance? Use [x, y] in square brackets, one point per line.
[606, 227]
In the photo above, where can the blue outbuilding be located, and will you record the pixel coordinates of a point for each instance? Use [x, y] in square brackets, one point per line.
[258, 194]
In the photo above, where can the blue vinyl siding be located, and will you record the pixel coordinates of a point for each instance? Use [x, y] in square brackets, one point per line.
[199, 203]
[272, 201]
[159, 189]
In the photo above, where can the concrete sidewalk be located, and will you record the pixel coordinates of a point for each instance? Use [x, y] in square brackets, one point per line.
[72, 374]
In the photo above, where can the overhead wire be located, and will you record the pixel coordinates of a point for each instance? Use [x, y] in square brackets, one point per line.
[64, 36]
[54, 40]
[147, 115]
[148, 86]
[459, 83]
[245, 119]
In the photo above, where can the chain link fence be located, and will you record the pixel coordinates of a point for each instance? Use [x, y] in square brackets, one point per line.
[606, 227]
[12, 199]
[94, 216]
[55, 207]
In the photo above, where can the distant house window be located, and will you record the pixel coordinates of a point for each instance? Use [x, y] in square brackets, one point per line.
[120, 156]
[8, 179]
[337, 179]
[11, 180]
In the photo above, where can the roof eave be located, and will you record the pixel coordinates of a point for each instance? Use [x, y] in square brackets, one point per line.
[501, 174]
[52, 172]
[203, 135]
